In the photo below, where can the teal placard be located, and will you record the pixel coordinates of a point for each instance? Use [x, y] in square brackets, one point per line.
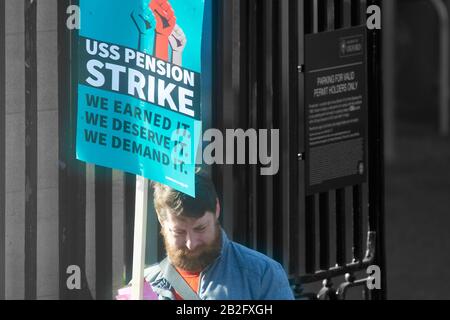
[139, 110]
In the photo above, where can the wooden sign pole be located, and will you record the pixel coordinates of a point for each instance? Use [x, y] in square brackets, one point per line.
[140, 231]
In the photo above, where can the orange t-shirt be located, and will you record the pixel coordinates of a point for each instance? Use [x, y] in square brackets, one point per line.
[192, 279]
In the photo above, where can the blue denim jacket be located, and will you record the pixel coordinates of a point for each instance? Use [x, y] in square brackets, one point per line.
[239, 273]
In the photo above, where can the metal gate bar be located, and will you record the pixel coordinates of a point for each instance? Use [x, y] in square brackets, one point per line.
[376, 152]
[357, 224]
[324, 227]
[296, 129]
[223, 93]
[130, 193]
[265, 106]
[310, 201]
[103, 233]
[341, 254]
[340, 18]
[2, 150]
[252, 122]
[30, 149]
[355, 19]
[72, 173]
[444, 56]
[241, 181]
[300, 27]
[287, 122]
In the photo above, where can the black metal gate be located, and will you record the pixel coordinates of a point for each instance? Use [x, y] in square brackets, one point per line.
[259, 84]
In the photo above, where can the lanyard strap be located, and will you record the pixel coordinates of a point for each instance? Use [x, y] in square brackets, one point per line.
[177, 282]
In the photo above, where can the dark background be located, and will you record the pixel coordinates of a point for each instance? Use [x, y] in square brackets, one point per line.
[418, 175]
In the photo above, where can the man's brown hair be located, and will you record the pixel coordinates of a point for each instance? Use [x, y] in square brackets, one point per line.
[177, 203]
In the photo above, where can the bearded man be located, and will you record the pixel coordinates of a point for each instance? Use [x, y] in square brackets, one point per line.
[202, 263]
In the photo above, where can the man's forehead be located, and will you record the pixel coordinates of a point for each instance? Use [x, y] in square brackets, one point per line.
[182, 220]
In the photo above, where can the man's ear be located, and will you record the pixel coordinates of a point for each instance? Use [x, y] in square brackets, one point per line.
[217, 208]
[160, 220]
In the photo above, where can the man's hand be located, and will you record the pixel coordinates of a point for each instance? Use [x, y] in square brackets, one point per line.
[164, 15]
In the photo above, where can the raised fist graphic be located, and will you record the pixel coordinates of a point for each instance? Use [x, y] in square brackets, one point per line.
[145, 23]
[177, 41]
[164, 15]
[143, 19]
[165, 22]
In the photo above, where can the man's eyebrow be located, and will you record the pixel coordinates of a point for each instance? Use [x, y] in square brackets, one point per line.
[200, 226]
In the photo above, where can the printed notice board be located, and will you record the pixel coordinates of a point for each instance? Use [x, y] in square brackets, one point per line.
[335, 109]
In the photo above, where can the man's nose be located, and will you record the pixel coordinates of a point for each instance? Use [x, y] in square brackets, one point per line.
[191, 242]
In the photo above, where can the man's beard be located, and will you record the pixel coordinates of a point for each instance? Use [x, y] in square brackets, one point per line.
[197, 260]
